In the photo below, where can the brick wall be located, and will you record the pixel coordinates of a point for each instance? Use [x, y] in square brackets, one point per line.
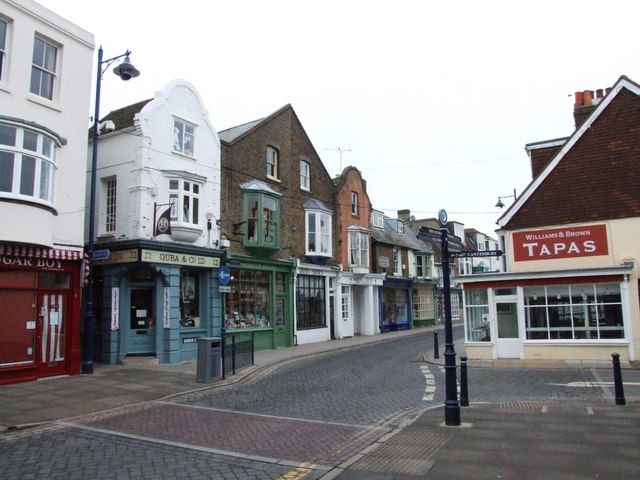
[351, 181]
[244, 159]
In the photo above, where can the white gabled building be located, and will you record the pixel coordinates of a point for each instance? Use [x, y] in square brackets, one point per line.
[159, 291]
[45, 88]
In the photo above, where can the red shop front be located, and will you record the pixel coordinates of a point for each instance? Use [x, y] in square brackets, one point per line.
[40, 296]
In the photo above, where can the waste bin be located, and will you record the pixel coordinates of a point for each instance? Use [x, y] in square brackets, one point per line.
[209, 367]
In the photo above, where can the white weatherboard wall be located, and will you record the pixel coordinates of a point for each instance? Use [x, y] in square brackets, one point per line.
[66, 115]
[142, 159]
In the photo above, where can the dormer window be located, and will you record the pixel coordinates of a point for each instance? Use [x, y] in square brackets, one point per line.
[183, 137]
[377, 219]
[399, 226]
[273, 168]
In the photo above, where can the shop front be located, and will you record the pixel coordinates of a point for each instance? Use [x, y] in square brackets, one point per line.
[259, 303]
[424, 304]
[156, 300]
[396, 304]
[39, 318]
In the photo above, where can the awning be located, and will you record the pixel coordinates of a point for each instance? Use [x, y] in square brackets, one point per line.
[40, 252]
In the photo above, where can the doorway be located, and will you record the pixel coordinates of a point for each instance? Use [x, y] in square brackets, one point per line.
[141, 338]
[508, 343]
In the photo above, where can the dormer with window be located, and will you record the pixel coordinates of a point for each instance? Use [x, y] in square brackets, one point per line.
[318, 229]
[261, 222]
[400, 226]
[377, 219]
[358, 249]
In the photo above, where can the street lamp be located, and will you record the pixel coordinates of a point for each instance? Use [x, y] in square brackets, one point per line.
[126, 71]
[500, 204]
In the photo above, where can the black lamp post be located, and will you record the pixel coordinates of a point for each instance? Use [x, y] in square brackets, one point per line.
[125, 71]
[451, 405]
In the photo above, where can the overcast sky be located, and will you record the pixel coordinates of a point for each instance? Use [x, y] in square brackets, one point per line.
[435, 102]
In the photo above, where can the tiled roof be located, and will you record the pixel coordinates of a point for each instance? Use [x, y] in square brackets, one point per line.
[595, 176]
[314, 204]
[123, 117]
[230, 134]
[391, 236]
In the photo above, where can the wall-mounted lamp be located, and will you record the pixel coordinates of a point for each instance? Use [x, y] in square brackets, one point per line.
[499, 204]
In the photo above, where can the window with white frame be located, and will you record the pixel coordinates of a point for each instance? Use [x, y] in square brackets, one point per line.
[574, 312]
[110, 187]
[354, 203]
[184, 196]
[305, 178]
[399, 226]
[346, 303]
[273, 169]
[27, 164]
[359, 249]
[377, 219]
[318, 233]
[3, 46]
[397, 261]
[183, 137]
[477, 315]
[424, 264]
[43, 68]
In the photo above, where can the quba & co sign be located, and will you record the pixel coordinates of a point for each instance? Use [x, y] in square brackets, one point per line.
[556, 243]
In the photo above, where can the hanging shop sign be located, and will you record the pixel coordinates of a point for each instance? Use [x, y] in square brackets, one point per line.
[556, 243]
[156, 256]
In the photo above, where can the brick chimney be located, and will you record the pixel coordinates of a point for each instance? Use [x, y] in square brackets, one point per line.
[404, 215]
[585, 103]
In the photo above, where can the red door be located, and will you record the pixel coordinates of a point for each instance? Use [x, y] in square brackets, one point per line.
[51, 346]
[17, 328]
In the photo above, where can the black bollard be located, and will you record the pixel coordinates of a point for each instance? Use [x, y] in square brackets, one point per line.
[617, 379]
[436, 352]
[464, 390]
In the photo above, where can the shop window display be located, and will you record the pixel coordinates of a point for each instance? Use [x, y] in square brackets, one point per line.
[248, 304]
[189, 298]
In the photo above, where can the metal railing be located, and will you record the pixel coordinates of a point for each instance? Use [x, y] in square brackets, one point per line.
[237, 355]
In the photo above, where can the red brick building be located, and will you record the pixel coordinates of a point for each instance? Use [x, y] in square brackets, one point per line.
[570, 290]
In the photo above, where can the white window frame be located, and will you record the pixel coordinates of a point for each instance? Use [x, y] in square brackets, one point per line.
[177, 197]
[399, 226]
[273, 163]
[377, 219]
[3, 48]
[397, 261]
[317, 233]
[184, 139]
[354, 204]
[305, 175]
[425, 270]
[44, 161]
[345, 303]
[359, 242]
[110, 186]
[43, 69]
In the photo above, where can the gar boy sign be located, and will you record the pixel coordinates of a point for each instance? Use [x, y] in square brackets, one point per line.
[567, 242]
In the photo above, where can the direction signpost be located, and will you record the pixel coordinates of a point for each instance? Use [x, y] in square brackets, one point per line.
[475, 254]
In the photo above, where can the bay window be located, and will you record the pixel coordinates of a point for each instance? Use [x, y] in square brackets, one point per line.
[318, 229]
[358, 248]
[261, 217]
[27, 164]
[184, 196]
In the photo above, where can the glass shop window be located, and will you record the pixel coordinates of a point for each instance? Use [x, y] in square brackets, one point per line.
[189, 298]
[248, 304]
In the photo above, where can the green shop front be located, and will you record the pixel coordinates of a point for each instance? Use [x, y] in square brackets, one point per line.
[259, 302]
[155, 299]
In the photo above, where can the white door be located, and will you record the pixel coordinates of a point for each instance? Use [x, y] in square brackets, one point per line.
[508, 343]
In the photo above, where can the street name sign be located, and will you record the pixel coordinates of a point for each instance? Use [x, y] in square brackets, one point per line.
[480, 253]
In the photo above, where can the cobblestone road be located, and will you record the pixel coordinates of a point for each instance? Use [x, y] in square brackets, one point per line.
[297, 422]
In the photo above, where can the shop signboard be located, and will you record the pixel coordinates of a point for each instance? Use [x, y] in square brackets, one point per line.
[557, 243]
[157, 256]
[115, 257]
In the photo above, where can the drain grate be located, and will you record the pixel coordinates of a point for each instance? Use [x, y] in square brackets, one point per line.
[410, 452]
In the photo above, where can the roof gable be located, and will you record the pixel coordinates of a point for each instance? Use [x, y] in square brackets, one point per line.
[595, 175]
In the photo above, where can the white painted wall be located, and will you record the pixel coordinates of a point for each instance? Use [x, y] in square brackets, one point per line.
[143, 160]
[67, 115]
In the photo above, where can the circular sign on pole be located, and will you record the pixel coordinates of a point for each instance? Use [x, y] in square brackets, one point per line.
[442, 217]
[224, 275]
